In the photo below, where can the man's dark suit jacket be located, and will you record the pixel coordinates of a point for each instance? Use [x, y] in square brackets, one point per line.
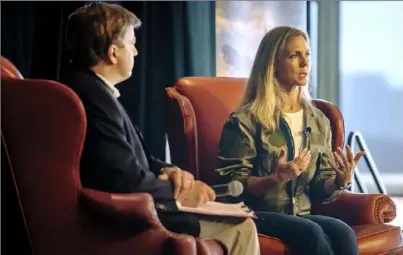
[114, 156]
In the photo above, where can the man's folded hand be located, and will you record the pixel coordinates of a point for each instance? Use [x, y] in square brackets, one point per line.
[182, 181]
[200, 194]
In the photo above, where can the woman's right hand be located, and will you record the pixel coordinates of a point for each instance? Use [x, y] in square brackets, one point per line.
[287, 171]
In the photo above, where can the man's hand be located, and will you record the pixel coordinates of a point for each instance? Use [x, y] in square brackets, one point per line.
[287, 171]
[183, 181]
[200, 194]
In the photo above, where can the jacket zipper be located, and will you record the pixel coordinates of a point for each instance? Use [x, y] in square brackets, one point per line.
[290, 154]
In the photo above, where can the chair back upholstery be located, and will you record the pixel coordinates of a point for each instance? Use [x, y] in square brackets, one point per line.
[197, 108]
[9, 70]
[43, 127]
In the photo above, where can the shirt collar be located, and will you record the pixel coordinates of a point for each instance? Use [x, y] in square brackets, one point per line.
[114, 90]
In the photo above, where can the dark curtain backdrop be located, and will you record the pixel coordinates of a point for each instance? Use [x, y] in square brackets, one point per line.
[176, 39]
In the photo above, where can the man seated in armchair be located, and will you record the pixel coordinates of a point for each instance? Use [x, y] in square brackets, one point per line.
[101, 44]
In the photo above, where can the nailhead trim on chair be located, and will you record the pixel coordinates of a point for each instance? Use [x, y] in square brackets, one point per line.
[386, 217]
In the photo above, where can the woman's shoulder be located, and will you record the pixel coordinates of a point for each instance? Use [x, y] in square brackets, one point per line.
[242, 117]
[319, 114]
[321, 119]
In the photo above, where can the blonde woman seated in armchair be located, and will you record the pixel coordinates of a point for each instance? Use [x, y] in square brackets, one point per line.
[279, 146]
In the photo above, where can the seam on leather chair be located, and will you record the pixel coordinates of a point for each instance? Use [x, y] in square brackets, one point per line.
[185, 128]
[378, 232]
[184, 116]
[16, 191]
[392, 251]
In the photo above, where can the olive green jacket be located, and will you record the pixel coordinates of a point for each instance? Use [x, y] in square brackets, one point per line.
[247, 149]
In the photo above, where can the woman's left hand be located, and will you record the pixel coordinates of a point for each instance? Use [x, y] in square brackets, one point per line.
[344, 165]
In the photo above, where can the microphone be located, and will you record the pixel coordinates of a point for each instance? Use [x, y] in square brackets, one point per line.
[307, 131]
[233, 189]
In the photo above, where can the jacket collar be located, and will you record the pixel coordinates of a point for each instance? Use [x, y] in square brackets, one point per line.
[110, 86]
[310, 116]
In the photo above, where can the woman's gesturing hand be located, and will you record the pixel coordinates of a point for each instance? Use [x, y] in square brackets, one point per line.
[344, 165]
[287, 171]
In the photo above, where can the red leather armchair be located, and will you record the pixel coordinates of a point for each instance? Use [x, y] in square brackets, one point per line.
[47, 211]
[197, 108]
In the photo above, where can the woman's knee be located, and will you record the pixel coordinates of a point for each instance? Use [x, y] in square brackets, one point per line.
[344, 231]
[309, 238]
[311, 230]
[300, 234]
[343, 237]
[337, 230]
[287, 226]
[340, 229]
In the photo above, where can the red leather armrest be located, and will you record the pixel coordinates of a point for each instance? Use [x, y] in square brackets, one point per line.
[209, 246]
[138, 209]
[359, 209]
[135, 209]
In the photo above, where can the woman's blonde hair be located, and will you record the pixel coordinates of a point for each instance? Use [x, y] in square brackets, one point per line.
[264, 96]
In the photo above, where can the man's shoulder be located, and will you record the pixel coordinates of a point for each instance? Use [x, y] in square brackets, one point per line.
[93, 94]
[81, 81]
[89, 88]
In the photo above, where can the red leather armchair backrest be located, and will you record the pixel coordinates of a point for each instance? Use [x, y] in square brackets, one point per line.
[9, 70]
[43, 126]
[197, 108]
[207, 103]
